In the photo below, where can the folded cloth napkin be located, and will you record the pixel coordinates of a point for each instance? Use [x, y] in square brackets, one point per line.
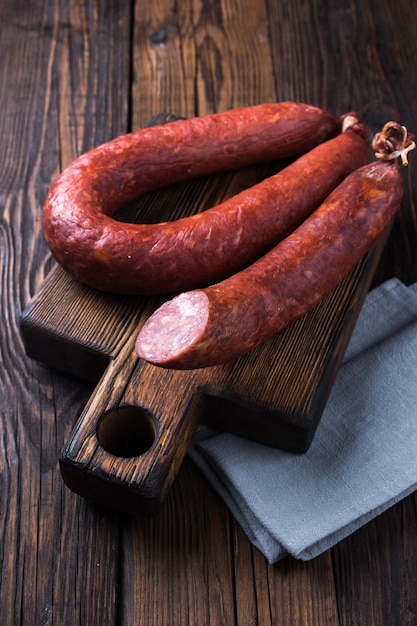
[363, 456]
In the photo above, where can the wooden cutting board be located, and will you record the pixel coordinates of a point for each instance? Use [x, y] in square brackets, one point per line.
[133, 434]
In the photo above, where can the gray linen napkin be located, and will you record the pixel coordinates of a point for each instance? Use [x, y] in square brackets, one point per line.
[362, 459]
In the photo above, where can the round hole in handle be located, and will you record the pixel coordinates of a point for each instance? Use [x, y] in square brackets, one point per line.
[126, 431]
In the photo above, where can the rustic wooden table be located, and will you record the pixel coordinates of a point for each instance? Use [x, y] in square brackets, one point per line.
[73, 75]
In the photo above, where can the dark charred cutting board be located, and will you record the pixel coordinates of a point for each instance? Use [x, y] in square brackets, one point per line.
[132, 436]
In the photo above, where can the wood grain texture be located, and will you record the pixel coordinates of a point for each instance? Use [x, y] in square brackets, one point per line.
[191, 559]
[293, 593]
[73, 75]
[375, 570]
[186, 55]
[45, 577]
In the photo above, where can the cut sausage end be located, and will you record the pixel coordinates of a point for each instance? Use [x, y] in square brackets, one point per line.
[173, 329]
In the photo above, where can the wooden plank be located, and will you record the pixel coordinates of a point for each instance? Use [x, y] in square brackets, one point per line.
[362, 48]
[296, 592]
[200, 58]
[62, 74]
[226, 50]
[179, 566]
[375, 569]
[163, 60]
[356, 67]
[191, 73]
[291, 592]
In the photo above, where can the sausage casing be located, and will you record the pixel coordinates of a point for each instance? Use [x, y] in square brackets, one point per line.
[194, 251]
[224, 321]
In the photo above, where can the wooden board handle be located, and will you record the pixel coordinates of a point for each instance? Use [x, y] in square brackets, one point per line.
[131, 438]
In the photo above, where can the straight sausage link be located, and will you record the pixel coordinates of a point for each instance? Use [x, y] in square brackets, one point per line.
[195, 251]
[207, 327]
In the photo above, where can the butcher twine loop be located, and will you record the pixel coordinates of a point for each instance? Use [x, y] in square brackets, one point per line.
[392, 142]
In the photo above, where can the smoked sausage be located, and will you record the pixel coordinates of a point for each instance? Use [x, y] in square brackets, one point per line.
[209, 326]
[145, 259]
